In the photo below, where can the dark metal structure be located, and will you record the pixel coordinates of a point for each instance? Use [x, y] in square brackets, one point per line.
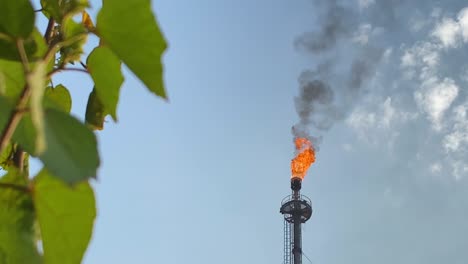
[296, 209]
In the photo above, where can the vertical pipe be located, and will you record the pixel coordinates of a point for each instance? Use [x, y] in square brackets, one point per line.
[297, 250]
[296, 184]
[297, 240]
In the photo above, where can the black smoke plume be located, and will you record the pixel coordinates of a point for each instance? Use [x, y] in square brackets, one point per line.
[327, 94]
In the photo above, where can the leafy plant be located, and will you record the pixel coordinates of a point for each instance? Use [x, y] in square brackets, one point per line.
[57, 206]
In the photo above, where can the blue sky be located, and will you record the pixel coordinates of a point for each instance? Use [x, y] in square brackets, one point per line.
[199, 179]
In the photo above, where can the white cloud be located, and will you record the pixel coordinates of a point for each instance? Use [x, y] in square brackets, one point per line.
[418, 22]
[436, 168]
[422, 54]
[362, 35]
[463, 22]
[408, 59]
[460, 169]
[458, 137]
[365, 32]
[453, 141]
[362, 120]
[365, 3]
[370, 124]
[386, 116]
[435, 97]
[388, 113]
[387, 54]
[429, 54]
[392, 116]
[448, 32]
[464, 74]
[365, 124]
[420, 60]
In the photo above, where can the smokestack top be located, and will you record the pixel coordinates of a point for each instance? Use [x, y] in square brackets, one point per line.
[296, 183]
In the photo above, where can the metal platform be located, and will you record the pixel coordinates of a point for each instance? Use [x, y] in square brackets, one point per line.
[296, 209]
[292, 205]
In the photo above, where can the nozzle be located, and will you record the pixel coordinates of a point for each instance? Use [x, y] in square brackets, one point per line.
[296, 183]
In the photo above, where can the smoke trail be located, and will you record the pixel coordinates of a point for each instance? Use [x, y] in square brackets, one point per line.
[337, 23]
[327, 94]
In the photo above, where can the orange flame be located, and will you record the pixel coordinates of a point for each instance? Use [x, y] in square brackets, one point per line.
[305, 157]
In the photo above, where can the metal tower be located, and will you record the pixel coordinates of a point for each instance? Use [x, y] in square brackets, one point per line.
[296, 209]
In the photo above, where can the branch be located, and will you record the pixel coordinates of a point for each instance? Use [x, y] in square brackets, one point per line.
[5, 37]
[49, 31]
[23, 56]
[54, 71]
[21, 104]
[18, 158]
[54, 48]
[15, 118]
[16, 187]
[83, 65]
[18, 111]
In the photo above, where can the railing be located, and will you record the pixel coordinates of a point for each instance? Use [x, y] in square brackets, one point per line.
[290, 198]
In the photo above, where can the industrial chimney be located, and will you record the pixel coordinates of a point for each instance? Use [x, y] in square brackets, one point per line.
[296, 209]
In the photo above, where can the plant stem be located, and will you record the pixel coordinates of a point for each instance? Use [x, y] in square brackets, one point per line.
[14, 119]
[54, 71]
[17, 112]
[23, 56]
[84, 65]
[16, 187]
[49, 31]
[18, 158]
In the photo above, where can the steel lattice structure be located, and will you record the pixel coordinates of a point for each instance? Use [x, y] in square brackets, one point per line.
[296, 209]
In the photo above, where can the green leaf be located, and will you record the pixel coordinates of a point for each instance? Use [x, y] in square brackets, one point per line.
[17, 234]
[104, 67]
[8, 50]
[75, 35]
[6, 106]
[58, 98]
[5, 111]
[36, 40]
[95, 112]
[34, 45]
[71, 152]
[66, 216]
[6, 157]
[59, 9]
[36, 81]
[25, 134]
[129, 28]
[16, 18]
[11, 78]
